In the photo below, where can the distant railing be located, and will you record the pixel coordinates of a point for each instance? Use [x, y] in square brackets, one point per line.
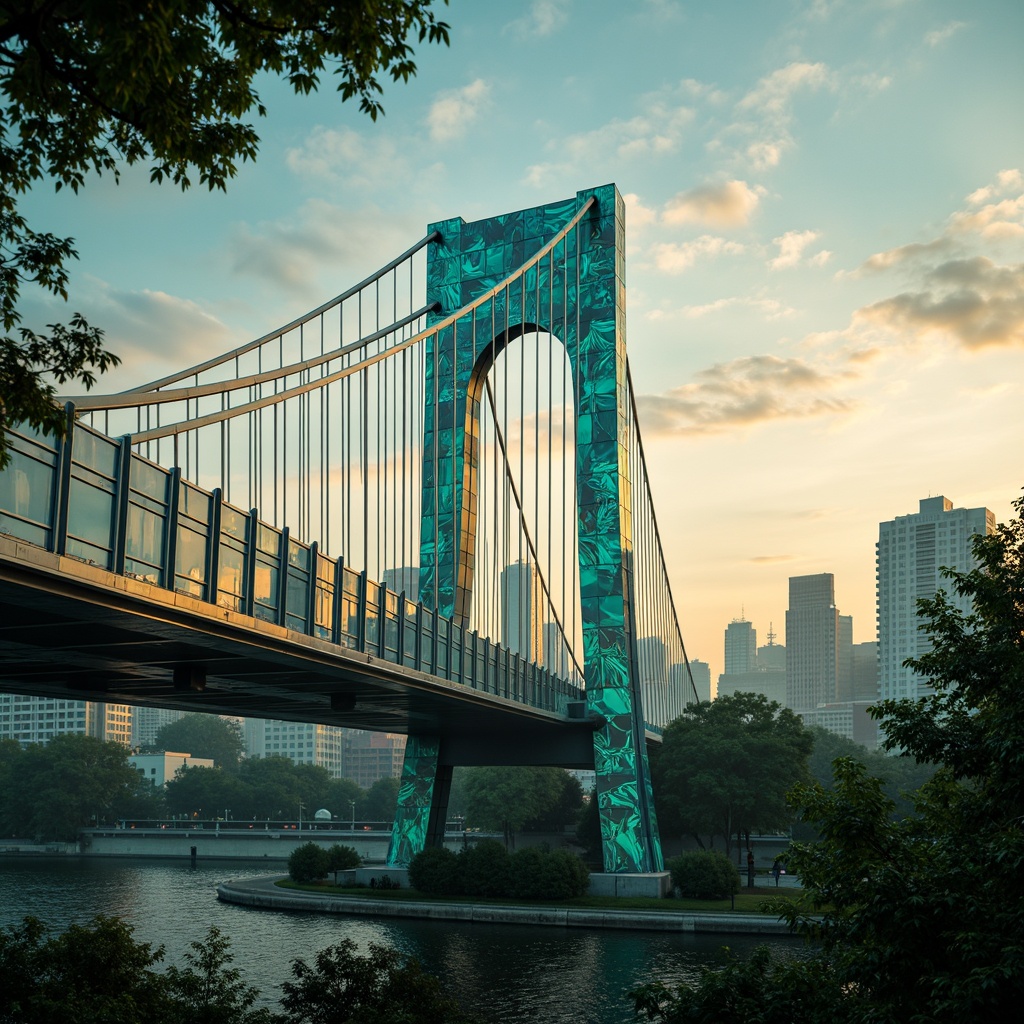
[92, 498]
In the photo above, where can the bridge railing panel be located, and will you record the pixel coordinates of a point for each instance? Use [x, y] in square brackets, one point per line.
[149, 511]
[28, 488]
[236, 528]
[267, 577]
[93, 499]
[193, 543]
[297, 588]
[324, 598]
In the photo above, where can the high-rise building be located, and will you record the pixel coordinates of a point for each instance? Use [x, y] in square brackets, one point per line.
[910, 551]
[652, 660]
[865, 671]
[301, 742]
[740, 647]
[844, 673]
[556, 654]
[701, 672]
[521, 606]
[403, 580]
[147, 722]
[39, 719]
[812, 642]
[370, 756]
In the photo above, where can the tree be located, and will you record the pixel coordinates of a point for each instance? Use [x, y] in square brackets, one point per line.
[94, 972]
[920, 918]
[208, 990]
[203, 735]
[342, 858]
[507, 799]
[380, 800]
[308, 863]
[71, 782]
[724, 768]
[203, 792]
[89, 88]
[901, 777]
[383, 987]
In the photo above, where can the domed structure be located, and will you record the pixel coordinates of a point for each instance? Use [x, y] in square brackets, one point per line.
[323, 814]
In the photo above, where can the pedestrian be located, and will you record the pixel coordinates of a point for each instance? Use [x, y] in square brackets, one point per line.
[777, 870]
[750, 868]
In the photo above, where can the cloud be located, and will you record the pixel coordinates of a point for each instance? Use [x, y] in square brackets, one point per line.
[294, 252]
[742, 393]
[765, 113]
[915, 252]
[542, 19]
[771, 559]
[727, 204]
[638, 215]
[347, 157]
[656, 132]
[973, 300]
[771, 309]
[791, 248]
[938, 36]
[153, 332]
[454, 111]
[675, 258]
[774, 93]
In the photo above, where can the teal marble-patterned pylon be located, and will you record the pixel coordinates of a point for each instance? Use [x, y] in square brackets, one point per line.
[577, 293]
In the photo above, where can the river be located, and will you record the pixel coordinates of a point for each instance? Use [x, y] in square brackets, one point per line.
[503, 973]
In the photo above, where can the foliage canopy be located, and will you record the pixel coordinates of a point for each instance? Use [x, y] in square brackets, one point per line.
[91, 88]
[725, 767]
[921, 918]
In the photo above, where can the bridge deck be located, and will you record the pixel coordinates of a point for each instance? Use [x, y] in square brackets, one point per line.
[73, 630]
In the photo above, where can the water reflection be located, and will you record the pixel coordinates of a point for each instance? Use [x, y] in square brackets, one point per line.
[505, 973]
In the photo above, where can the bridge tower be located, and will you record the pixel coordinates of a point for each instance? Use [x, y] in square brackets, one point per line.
[576, 292]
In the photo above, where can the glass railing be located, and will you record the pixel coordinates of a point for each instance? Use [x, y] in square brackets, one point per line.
[92, 498]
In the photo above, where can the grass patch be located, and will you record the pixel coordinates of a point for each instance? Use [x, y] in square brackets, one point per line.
[747, 901]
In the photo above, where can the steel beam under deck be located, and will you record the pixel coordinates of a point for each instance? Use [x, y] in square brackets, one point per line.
[71, 630]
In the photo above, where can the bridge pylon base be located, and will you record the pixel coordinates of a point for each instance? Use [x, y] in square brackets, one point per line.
[655, 884]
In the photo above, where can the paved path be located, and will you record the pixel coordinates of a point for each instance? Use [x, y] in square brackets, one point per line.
[262, 892]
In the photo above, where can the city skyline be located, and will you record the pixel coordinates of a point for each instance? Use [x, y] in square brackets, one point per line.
[825, 231]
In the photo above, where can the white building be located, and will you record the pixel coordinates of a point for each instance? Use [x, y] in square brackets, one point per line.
[162, 767]
[39, 719]
[301, 742]
[910, 551]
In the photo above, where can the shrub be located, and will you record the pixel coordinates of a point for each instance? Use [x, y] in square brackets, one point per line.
[435, 871]
[341, 858]
[704, 874]
[539, 874]
[485, 869]
[307, 863]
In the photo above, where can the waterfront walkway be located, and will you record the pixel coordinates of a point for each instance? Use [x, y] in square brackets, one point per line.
[262, 892]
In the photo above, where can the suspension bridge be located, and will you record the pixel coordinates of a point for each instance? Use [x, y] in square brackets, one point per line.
[421, 508]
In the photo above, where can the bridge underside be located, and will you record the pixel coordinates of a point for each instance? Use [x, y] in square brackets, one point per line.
[70, 630]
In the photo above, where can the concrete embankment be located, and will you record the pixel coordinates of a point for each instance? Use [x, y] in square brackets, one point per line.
[263, 893]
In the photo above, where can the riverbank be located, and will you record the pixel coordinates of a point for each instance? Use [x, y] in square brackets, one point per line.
[263, 893]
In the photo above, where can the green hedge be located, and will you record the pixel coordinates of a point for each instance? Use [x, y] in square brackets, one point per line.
[487, 870]
[704, 874]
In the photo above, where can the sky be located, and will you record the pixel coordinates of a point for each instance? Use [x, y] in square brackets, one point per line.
[825, 252]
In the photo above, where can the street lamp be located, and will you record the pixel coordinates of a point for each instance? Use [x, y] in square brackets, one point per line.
[352, 805]
[300, 815]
